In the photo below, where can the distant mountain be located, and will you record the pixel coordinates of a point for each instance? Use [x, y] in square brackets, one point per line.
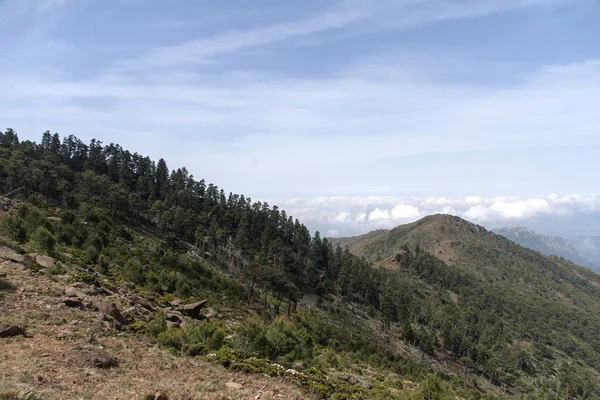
[550, 245]
[589, 248]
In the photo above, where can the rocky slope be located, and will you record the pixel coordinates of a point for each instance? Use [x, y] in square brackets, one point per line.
[62, 339]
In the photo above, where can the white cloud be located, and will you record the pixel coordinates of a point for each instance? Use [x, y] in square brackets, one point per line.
[404, 211]
[378, 214]
[521, 209]
[361, 215]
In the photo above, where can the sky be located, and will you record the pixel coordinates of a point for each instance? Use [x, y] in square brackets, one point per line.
[351, 114]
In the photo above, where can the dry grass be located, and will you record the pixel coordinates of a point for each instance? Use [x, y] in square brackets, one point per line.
[56, 361]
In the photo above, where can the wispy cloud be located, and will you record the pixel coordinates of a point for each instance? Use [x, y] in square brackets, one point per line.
[397, 14]
[45, 5]
[202, 50]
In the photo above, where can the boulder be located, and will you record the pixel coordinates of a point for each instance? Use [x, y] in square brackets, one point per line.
[72, 302]
[73, 293]
[9, 254]
[108, 307]
[45, 261]
[160, 396]
[11, 330]
[173, 318]
[135, 299]
[193, 309]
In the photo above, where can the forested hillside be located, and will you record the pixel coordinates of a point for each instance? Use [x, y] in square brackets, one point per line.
[490, 318]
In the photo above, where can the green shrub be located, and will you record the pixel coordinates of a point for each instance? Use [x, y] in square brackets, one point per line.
[195, 340]
[157, 325]
[12, 226]
[43, 240]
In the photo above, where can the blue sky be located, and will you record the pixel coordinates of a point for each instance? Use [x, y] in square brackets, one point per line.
[292, 101]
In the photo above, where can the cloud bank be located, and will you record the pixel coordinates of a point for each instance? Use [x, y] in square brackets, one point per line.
[346, 216]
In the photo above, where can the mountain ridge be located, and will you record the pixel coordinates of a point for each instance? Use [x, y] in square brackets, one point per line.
[549, 245]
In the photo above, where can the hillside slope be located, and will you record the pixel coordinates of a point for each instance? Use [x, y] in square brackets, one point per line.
[546, 305]
[72, 352]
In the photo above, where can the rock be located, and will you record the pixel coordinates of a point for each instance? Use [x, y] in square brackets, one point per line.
[160, 396]
[87, 302]
[193, 309]
[72, 302]
[92, 291]
[234, 385]
[80, 285]
[176, 303]
[64, 335]
[102, 359]
[11, 330]
[9, 254]
[72, 292]
[45, 261]
[173, 318]
[173, 325]
[209, 313]
[142, 302]
[107, 307]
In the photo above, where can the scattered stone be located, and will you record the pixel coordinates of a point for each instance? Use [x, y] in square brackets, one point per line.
[193, 309]
[80, 285]
[72, 302]
[11, 330]
[160, 396]
[234, 385]
[75, 322]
